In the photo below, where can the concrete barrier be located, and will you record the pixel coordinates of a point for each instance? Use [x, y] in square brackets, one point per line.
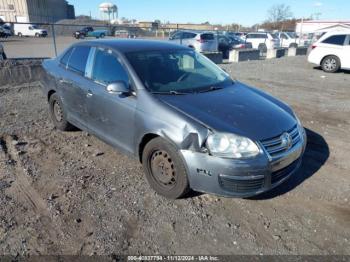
[216, 57]
[240, 55]
[275, 53]
[297, 51]
[17, 72]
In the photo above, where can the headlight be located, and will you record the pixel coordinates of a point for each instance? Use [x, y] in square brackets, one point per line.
[231, 146]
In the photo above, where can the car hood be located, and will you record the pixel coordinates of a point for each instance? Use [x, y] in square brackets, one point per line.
[237, 109]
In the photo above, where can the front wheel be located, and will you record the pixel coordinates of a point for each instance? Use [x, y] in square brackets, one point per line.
[330, 64]
[102, 36]
[164, 169]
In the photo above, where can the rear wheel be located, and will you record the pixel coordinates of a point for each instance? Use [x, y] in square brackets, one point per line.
[164, 169]
[37, 35]
[102, 35]
[330, 64]
[20, 34]
[58, 114]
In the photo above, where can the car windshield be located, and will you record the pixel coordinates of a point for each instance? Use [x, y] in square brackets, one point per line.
[274, 36]
[35, 27]
[177, 71]
[292, 34]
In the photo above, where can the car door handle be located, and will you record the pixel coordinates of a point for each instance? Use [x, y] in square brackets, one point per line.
[89, 93]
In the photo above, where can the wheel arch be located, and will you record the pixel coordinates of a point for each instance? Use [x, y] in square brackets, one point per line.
[144, 141]
[329, 56]
[50, 93]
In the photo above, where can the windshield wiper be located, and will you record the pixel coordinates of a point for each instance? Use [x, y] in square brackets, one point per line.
[172, 92]
[212, 88]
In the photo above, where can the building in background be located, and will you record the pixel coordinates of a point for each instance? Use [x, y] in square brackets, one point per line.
[313, 26]
[35, 11]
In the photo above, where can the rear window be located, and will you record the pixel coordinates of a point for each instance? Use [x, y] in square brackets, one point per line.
[335, 40]
[78, 59]
[207, 36]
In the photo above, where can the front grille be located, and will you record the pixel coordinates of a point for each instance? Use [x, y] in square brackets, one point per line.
[274, 145]
[283, 173]
[241, 186]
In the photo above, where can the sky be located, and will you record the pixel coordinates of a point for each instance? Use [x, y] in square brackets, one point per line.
[245, 12]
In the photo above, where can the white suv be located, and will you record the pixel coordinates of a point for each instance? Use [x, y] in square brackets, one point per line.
[263, 41]
[200, 41]
[332, 51]
[288, 39]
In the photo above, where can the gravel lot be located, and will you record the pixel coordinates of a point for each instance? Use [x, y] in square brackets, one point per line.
[17, 47]
[69, 193]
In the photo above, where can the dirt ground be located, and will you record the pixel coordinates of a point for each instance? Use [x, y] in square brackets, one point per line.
[69, 193]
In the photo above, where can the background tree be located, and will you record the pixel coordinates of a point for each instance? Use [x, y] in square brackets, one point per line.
[279, 13]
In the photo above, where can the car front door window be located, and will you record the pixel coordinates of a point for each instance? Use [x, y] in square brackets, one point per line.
[107, 69]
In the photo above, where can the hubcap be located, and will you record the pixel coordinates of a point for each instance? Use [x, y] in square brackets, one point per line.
[163, 169]
[57, 110]
[330, 64]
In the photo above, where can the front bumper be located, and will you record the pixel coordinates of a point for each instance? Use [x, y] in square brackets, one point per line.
[241, 178]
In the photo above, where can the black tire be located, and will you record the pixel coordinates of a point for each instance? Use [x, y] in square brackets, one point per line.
[164, 169]
[262, 48]
[20, 34]
[58, 114]
[102, 36]
[37, 35]
[330, 64]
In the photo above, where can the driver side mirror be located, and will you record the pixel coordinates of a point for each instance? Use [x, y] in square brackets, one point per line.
[119, 87]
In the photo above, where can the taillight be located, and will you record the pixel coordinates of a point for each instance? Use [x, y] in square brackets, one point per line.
[313, 46]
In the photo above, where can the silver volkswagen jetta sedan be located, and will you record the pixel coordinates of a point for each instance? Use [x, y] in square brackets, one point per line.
[184, 118]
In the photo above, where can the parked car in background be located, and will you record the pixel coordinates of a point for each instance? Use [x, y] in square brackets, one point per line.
[263, 41]
[2, 53]
[90, 32]
[288, 39]
[226, 43]
[124, 34]
[238, 43]
[183, 117]
[240, 35]
[29, 30]
[332, 51]
[200, 41]
[5, 31]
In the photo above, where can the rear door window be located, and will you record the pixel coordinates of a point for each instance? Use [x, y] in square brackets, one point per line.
[189, 35]
[207, 36]
[107, 68]
[335, 40]
[78, 59]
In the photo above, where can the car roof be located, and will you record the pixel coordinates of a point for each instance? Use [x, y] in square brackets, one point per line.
[134, 45]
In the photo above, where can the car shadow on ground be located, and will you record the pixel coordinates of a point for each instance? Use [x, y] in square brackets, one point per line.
[315, 156]
[344, 71]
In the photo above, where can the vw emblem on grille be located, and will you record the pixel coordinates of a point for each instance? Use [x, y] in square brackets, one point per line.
[286, 141]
